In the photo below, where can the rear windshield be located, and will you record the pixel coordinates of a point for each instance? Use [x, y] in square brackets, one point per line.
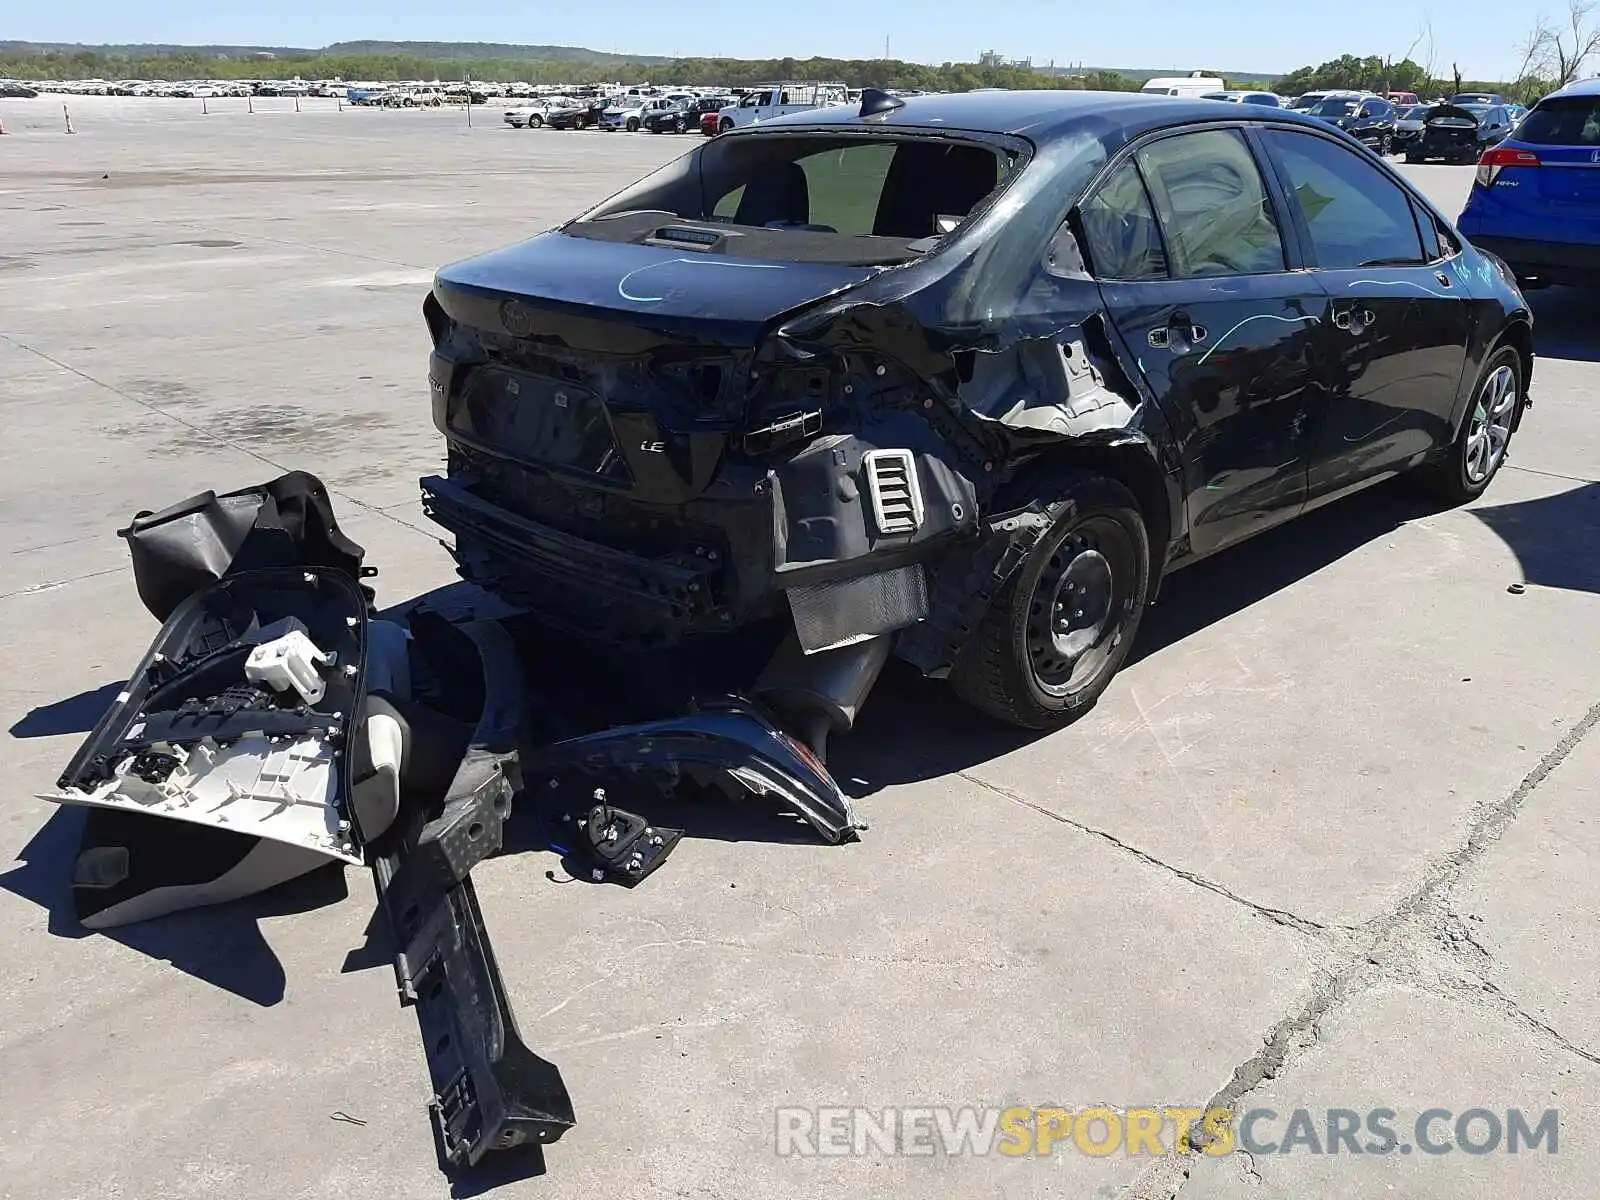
[1334, 108]
[811, 198]
[1569, 121]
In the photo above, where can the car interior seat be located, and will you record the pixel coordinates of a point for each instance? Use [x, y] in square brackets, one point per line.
[778, 195]
[927, 180]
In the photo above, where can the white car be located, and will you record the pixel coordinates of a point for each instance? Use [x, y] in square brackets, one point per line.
[777, 99]
[534, 114]
[629, 113]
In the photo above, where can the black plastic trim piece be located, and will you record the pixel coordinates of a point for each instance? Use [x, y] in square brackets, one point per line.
[491, 1092]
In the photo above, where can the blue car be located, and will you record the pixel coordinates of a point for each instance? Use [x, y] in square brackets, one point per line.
[1536, 199]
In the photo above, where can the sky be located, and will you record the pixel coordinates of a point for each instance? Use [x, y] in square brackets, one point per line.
[1266, 36]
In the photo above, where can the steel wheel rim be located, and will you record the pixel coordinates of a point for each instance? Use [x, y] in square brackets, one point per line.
[1490, 430]
[1076, 608]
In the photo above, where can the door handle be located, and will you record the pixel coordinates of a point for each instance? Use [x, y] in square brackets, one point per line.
[1178, 334]
[1355, 321]
[1444, 280]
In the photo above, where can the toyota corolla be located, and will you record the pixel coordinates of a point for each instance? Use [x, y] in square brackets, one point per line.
[957, 378]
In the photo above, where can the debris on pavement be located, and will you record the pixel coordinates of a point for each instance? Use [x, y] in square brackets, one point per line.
[278, 723]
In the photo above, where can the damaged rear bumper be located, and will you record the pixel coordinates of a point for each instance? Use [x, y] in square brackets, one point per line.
[841, 534]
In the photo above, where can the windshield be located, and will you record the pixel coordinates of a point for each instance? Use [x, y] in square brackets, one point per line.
[1334, 108]
[1476, 109]
[810, 197]
[1570, 121]
[1414, 113]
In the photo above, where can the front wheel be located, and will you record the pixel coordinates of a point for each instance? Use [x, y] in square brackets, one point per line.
[633, 124]
[678, 125]
[1479, 450]
[535, 121]
[725, 125]
[1062, 627]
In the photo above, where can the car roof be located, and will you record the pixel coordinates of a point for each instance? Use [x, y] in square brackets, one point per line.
[1582, 87]
[1037, 115]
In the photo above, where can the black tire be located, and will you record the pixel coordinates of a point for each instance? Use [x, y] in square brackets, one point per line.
[633, 124]
[535, 121]
[725, 124]
[678, 125]
[1409, 157]
[1097, 549]
[1453, 479]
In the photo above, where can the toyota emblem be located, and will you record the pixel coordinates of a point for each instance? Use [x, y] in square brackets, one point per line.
[514, 315]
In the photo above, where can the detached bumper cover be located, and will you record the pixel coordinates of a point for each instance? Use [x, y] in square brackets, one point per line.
[731, 747]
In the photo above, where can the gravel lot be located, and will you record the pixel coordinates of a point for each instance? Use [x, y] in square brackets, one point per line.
[1324, 844]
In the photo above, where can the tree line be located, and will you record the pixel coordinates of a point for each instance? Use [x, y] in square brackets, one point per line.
[1554, 52]
[1552, 55]
[884, 73]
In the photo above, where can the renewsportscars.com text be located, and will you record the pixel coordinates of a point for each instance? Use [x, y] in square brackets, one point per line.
[1099, 1131]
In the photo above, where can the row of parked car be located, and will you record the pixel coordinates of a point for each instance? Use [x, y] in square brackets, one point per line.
[1455, 130]
[682, 111]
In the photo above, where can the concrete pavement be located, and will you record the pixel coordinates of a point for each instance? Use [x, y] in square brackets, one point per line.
[1323, 844]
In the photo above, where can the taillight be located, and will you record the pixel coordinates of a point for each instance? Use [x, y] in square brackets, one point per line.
[1496, 160]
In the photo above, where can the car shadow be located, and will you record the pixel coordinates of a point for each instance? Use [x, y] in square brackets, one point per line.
[1563, 325]
[75, 714]
[1556, 538]
[221, 945]
[912, 729]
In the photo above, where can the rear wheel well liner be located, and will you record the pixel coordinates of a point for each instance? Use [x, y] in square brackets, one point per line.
[1131, 463]
[1519, 333]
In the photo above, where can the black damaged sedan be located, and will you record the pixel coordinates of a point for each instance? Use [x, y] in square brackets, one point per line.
[958, 378]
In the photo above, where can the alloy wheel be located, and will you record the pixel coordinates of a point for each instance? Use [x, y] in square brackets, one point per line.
[1492, 416]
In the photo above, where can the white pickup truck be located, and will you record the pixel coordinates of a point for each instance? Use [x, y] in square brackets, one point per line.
[770, 100]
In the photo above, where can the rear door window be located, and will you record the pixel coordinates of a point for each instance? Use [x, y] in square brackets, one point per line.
[1212, 205]
[1357, 216]
[1119, 227]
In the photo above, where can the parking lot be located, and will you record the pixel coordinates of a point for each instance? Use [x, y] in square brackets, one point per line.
[1325, 843]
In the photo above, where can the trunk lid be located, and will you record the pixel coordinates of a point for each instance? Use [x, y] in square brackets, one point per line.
[1567, 177]
[619, 364]
[1450, 126]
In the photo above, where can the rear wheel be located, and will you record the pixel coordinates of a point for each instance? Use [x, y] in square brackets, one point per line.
[1064, 624]
[1479, 450]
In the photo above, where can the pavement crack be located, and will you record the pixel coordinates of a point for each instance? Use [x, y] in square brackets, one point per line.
[1248, 1169]
[1396, 940]
[1277, 916]
[1550, 474]
[199, 430]
[53, 584]
[1483, 831]
[1537, 1026]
